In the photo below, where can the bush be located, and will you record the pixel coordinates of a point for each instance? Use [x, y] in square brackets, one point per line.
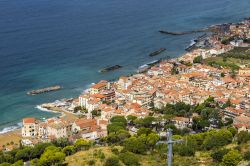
[112, 161]
[247, 156]
[129, 159]
[197, 59]
[218, 154]
[91, 162]
[115, 150]
[232, 158]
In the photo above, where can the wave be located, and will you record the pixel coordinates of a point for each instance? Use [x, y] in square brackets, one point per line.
[11, 128]
[44, 109]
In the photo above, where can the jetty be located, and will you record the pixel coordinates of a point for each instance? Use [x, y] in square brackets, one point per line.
[157, 52]
[44, 90]
[111, 68]
[183, 33]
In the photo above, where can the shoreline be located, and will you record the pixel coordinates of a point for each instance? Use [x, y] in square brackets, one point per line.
[14, 128]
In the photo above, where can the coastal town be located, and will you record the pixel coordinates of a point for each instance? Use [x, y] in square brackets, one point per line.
[187, 79]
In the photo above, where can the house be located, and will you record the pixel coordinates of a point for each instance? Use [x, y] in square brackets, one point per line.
[182, 122]
[103, 84]
[57, 130]
[231, 112]
[242, 123]
[83, 124]
[29, 128]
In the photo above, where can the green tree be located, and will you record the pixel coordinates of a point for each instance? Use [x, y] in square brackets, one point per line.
[152, 140]
[247, 156]
[217, 155]
[243, 137]
[131, 119]
[68, 150]
[82, 144]
[51, 156]
[135, 145]
[144, 130]
[5, 164]
[129, 159]
[187, 148]
[197, 59]
[112, 161]
[62, 142]
[232, 130]
[232, 158]
[18, 163]
[119, 119]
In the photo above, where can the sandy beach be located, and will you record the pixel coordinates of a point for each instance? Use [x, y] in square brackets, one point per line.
[8, 137]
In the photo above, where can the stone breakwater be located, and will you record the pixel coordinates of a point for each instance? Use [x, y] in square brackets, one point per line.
[44, 90]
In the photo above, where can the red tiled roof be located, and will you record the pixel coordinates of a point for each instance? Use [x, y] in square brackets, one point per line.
[29, 120]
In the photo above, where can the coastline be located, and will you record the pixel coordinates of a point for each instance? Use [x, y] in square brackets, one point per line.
[14, 131]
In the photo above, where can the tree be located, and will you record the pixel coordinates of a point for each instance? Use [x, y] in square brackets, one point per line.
[232, 130]
[152, 140]
[135, 145]
[18, 163]
[68, 150]
[247, 156]
[119, 119]
[96, 113]
[5, 164]
[131, 119]
[146, 122]
[217, 139]
[115, 127]
[112, 161]
[197, 59]
[62, 142]
[187, 148]
[232, 158]
[82, 144]
[129, 159]
[144, 130]
[51, 156]
[34, 162]
[243, 137]
[218, 154]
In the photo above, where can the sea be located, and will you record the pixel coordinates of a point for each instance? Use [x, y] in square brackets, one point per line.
[65, 42]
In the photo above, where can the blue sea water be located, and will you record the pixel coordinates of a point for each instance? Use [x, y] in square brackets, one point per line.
[65, 42]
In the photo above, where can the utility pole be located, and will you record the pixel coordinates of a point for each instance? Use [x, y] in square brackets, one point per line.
[170, 143]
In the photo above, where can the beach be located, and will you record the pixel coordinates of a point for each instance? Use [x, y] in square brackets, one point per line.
[12, 136]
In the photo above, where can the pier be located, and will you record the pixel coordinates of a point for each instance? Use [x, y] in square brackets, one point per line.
[44, 90]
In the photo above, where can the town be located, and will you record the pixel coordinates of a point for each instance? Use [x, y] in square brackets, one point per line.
[175, 92]
[169, 82]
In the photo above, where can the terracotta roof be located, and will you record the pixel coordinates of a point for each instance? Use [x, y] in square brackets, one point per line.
[29, 120]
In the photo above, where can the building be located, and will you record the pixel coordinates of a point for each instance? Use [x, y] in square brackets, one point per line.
[29, 128]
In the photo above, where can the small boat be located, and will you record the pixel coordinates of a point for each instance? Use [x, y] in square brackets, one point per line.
[157, 52]
[107, 69]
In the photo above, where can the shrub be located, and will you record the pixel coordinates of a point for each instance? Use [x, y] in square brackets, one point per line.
[115, 150]
[91, 162]
[129, 159]
[218, 154]
[112, 161]
[247, 156]
[232, 158]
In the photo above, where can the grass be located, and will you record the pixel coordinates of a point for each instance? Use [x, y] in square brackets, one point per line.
[201, 158]
[234, 59]
[150, 159]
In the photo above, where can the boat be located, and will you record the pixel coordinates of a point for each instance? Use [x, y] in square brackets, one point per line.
[107, 69]
[157, 52]
[44, 90]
